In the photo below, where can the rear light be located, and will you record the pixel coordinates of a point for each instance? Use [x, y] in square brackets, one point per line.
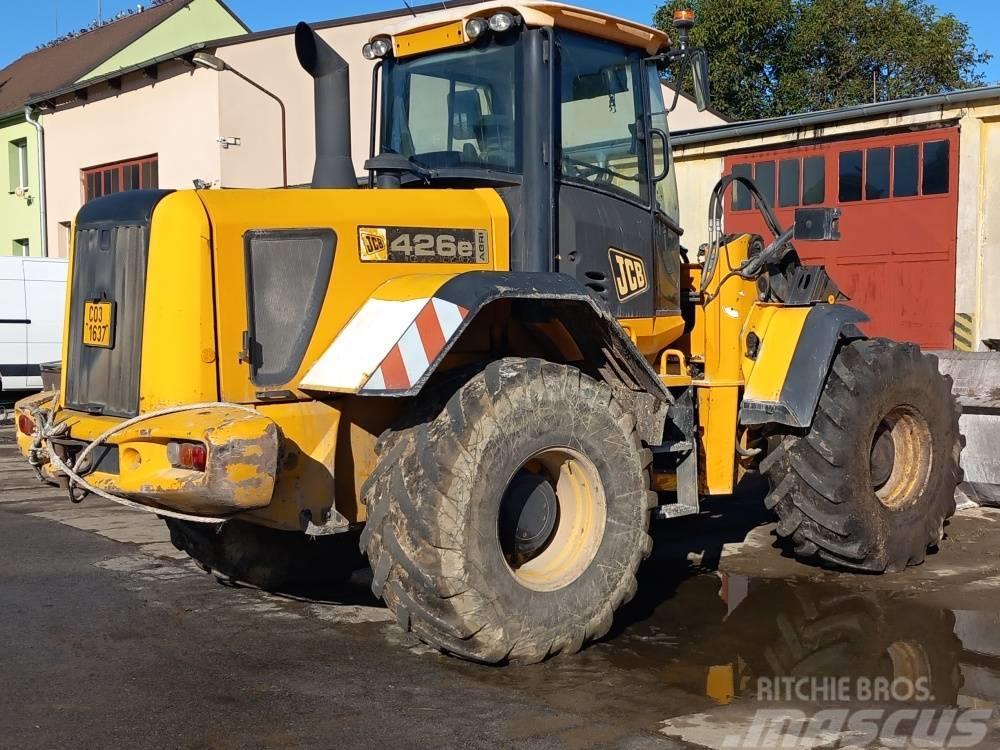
[187, 455]
[25, 424]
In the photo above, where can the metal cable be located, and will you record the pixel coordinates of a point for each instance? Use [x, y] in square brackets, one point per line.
[46, 430]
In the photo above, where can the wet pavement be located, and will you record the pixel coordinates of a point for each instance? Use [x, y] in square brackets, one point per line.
[112, 638]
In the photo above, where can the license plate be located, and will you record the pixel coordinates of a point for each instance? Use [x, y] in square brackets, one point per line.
[99, 323]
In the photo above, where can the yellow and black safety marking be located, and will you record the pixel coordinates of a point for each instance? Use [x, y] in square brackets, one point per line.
[964, 338]
[423, 245]
[629, 272]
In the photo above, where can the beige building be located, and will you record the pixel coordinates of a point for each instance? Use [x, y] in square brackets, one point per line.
[180, 123]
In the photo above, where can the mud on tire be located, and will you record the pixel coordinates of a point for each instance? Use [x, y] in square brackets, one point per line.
[870, 484]
[435, 498]
[267, 558]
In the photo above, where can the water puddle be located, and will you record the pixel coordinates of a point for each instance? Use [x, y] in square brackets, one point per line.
[716, 647]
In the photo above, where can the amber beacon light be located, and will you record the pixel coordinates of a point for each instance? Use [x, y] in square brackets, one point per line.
[683, 22]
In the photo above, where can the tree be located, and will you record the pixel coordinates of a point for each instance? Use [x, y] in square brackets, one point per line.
[777, 57]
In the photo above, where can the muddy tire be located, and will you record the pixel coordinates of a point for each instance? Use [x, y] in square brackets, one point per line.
[266, 558]
[870, 484]
[508, 524]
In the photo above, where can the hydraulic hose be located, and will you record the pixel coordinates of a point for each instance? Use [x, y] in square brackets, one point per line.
[715, 213]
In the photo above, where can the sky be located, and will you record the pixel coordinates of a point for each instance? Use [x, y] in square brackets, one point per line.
[36, 21]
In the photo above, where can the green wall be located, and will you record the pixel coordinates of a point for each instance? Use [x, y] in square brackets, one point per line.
[200, 21]
[19, 217]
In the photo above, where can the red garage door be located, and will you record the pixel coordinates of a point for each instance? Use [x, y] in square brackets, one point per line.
[899, 198]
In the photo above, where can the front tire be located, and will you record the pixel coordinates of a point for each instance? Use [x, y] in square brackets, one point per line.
[509, 525]
[870, 484]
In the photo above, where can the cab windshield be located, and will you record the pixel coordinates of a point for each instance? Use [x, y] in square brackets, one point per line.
[455, 109]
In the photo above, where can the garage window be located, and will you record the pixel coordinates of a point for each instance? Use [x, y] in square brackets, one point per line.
[741, 196]
[935, 180]
[850, 176]
[877, 174]
[764, 177]
[788, 182]
[905, 170]
[813, 180]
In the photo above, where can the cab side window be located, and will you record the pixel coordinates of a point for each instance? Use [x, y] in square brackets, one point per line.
[666, 189]
[600, 106]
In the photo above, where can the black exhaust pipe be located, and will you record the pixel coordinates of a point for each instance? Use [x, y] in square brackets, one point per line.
[334, 167]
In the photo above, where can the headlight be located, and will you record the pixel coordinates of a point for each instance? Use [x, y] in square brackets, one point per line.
[380, 46]
[367, 52]
[500, 22]
[475, 27]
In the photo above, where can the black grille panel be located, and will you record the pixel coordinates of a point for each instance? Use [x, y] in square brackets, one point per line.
[109, 263]
[288, 272]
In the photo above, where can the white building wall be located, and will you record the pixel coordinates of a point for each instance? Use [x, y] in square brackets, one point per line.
[177, 119]
[695, 179]
[979, 243]
[254, 118]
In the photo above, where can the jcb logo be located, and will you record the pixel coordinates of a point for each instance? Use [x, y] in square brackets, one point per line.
[373, 243]
[629, 272]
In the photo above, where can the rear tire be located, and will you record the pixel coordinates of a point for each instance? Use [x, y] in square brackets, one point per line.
[520, 434]
[267, 558]
[870, 484]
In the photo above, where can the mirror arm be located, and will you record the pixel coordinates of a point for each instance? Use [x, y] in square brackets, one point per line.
[668, 58]
[677, 96]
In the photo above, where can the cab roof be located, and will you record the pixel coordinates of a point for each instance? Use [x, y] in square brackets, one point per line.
[536, 14]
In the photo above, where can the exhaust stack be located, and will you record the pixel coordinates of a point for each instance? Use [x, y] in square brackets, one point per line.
[334, 167]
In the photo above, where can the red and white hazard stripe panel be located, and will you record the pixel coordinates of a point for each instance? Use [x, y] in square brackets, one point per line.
[387, 346]
[409, 359]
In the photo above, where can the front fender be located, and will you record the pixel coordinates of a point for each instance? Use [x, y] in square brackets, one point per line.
[794, 355]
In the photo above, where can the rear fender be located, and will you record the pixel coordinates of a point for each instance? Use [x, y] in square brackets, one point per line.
[796, 347]
[402, 334]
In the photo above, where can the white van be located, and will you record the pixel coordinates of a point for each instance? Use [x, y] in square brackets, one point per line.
[32, 297]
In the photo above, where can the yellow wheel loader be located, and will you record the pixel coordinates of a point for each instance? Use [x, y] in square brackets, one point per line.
[492, 361]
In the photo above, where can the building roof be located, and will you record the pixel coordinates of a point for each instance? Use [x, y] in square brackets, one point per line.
[748, 128]
[56, 66]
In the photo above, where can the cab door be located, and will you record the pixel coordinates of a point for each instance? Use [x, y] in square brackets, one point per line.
[606, 219]
[666, 204]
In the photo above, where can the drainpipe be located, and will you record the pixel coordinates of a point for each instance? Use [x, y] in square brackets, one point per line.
[43, 236]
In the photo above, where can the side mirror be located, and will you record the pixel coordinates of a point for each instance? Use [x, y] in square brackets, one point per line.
[699, 74]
